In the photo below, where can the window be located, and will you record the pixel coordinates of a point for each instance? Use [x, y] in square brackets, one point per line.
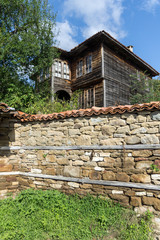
[90, 97]
[66, 70]
[61, 69]
[57, 68]
[87, 98]
[89, 64]
[80, 68]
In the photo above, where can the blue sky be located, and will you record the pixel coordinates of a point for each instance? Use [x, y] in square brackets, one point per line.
[132, 22]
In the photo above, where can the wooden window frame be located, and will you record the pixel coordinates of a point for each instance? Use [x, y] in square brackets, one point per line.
[67, 70]
[62, 72]
[79, 69]
[87, 99]
[90, 97]
[58, 71]
[88, 63]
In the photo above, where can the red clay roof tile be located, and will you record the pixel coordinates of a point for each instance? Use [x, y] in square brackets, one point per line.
[4, 108]
[24, 117]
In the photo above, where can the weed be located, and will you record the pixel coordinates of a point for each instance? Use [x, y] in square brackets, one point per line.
[45, 155]
[43, 215]
[154, 167]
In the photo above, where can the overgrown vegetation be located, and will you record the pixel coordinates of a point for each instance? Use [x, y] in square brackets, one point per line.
[45, 105]
[40, 215]
[144, 89]
[27, 36]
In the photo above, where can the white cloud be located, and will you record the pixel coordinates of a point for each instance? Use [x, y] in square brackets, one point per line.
[66, 34]
[97, 15]
[150, 5]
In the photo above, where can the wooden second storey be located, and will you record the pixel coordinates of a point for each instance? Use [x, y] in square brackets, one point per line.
[102, 68]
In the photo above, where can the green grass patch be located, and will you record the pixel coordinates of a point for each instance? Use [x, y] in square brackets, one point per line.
[46, 215]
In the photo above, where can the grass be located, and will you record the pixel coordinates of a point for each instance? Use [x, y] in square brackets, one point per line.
[46, 215]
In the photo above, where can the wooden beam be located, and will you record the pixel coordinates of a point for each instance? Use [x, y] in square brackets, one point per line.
[83, 147]
[86, 181]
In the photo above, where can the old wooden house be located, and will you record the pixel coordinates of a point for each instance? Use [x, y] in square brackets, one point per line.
[101, 67]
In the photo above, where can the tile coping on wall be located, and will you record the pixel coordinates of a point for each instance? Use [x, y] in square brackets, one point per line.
[152, 106]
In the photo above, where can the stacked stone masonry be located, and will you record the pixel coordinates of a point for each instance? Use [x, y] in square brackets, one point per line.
[33, 154]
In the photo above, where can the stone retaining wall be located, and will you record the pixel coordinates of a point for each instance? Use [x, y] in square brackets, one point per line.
[117, 156]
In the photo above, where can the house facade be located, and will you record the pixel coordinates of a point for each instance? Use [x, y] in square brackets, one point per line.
[101, 67]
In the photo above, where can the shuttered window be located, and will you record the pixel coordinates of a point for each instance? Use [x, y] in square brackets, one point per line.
[87, 98]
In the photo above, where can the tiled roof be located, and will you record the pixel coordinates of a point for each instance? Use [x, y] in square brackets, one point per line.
[4, 108]
[153, 106]
[122, 48]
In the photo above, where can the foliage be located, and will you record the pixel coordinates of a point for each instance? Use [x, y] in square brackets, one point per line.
[154, 167]
[144, 89]
[26, 40]
[45, 105]
[37, 214]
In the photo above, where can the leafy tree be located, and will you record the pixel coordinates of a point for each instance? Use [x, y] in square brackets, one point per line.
[26, 40]
[144, 89]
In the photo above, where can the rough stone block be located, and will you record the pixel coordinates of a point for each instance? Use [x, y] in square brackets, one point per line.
[62, 161]
[156, 152]
[40, 154]
[78, 163]
[141, 118]
[120, 198]
[98, 169]
[150, 139]
[83, 140]
[109, 176]
[142, 153]
[139, 130]
[94, 175]
[144, 165]
[135, 201]
[141, 210]
[56, 186]
[132, 140]
[149, 194]
[131, 119]
[122, 177]
[123, 130]
[128, 163]
[111, 141]
[117, 192]
[73, 184]
[105, 154]
[97, 159]
[140, 178]
[152, 201]
[108, 130]
[74, 132]
[70, 171]
[34, 170]
[50, 171]
[155, 116]
[140, 193]
[50, 158]
[155, 176]
[6, 168]
[118, 122]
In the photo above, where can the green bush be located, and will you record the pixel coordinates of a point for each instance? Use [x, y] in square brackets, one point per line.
[46, 215]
